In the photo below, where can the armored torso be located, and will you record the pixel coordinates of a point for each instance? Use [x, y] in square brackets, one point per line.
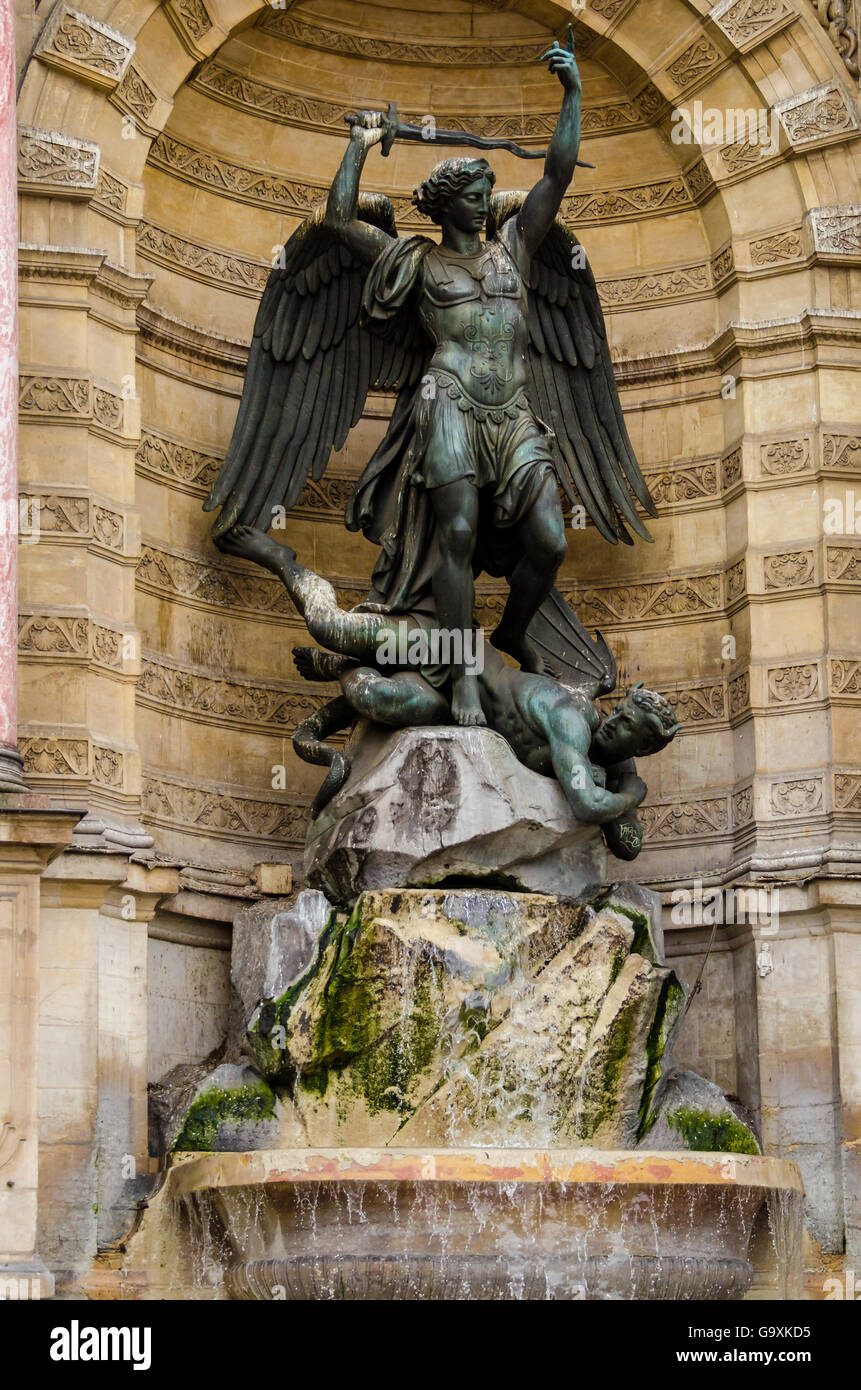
[474, 308]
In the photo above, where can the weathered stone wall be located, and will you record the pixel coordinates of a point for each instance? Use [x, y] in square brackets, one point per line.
[165, 153]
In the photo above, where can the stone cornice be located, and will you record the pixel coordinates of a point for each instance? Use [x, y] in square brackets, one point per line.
[739, 348]
[83, 265]
[378, 48]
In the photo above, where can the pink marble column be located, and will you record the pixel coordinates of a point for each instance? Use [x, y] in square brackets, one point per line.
[10, 759]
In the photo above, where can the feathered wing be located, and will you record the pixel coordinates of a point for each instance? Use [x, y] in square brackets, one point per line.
[573, 386]
[567, 650]
[311, 365]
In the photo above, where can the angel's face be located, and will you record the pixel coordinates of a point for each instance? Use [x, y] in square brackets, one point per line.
[467, 210]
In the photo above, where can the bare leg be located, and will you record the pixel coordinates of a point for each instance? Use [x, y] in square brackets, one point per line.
[358, 635]
[542, 535]
[455, 507]
[404, 700]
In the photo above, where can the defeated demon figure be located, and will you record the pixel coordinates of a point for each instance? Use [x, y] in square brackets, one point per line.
[549, 719]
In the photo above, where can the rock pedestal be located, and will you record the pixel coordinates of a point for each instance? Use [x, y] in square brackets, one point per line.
[448, 805]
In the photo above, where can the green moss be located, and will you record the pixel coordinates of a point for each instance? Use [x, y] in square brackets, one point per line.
[642, 945]
[708, 1133]
[667, 1014]
[254, 1102]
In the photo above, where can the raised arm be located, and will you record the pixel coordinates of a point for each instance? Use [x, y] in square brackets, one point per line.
[363, 240]
[543, 201]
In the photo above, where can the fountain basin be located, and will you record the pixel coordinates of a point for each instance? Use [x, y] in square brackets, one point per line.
[488, 1223]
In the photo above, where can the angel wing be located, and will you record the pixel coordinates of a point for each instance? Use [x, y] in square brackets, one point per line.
[568, 652]
[311, 365]
[573, 386]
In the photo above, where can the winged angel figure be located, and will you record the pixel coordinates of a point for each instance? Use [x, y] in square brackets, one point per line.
[498, 353]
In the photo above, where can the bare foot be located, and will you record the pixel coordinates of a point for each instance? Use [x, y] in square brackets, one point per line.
[319, 666]
[520, 647]
[251, 544]
[466, 702]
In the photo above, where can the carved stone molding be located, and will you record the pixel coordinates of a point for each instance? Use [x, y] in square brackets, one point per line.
[800, 796]
[264, 189]
[379, 48]
[822, 113]
[107, 647]
[60, 398]
[792, 685]
[307, 111]
[48, 160]
[777, 248]
[636, 201]
[845, 677]
[684, 820]
[842, 451]
[742, 807]
[735, 581]
[108, 767]
[203, 262]
[192, 22]
[74, 637]
[199, 582]
[694, 62]
[847, 791]
[738, 694]
[166, 459]
[783, 457]
[84, 46]
[750, 22]
[184, 806]
[41, 634]
[793, 569]
[697, 704]
[662, 286]
[834, 15]
[201, 696]
[652, 600]
[836, 230]
[111, 192]
[731, 468]
[108, 409]
[55, 757]
[61, 515]
[843, 562]
[693, 482]
[136, 98]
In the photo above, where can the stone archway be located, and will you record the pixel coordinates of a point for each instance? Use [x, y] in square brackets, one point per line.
[165, 149]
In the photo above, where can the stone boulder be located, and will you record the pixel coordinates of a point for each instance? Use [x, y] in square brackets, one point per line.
[471, 1016]
[431, 806]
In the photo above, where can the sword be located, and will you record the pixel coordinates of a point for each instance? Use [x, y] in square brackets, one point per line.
[397, 130]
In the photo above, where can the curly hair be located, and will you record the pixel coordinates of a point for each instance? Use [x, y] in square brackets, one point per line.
[446, 180]
[663, 716]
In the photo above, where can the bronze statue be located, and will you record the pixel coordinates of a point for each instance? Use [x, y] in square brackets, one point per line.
[550, 722]
[498, 353]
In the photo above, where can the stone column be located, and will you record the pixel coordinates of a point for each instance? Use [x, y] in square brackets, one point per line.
[10, 758]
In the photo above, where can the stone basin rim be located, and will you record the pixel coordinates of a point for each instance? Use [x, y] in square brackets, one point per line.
[192, 1171]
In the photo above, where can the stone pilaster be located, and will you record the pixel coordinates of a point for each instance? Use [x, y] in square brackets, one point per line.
[10, 759]
[30, 836]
